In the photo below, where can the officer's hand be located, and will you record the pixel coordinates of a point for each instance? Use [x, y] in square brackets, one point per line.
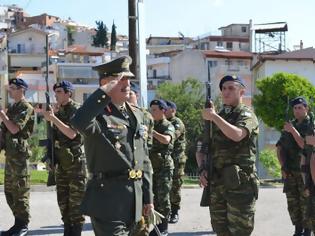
[147, 208]
[110, 86]
[310, 140]
[203, 181]
[288, 127]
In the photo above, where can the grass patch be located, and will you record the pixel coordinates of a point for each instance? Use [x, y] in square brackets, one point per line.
[190, 180]
[37, 177]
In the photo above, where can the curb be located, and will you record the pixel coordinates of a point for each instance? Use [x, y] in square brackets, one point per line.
[36, 188]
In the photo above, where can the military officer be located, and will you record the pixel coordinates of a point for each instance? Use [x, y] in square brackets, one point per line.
[17, 127]
[234, 183]
[71, 169]
[289, 148]
[120, 187]
[162, 162]
[179, 158]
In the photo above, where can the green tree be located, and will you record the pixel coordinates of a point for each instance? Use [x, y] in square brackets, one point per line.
[274, 91]
[39, 133]
[100, 39]
[269, 160]
[189, 96]
[70, 31]
[113, 38]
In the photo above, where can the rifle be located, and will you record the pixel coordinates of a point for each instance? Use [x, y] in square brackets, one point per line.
[50, 141]
[283, 152]
[205, 198]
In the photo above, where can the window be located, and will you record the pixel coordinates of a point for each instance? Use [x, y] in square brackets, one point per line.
[204, 46]
[244, 29]
[228, 62]
[229, 45]
[240, 63]
[213, 63]
[220, 44]
[154, 73]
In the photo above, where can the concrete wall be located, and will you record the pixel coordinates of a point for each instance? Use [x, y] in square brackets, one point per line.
[189, 63]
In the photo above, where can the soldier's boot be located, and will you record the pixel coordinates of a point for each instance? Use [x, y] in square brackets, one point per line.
[164, 227]
[174, 216]
[307, 232]
[298, 231]
[76, 230]
[21, 228]
[10, 231]
[66, 230]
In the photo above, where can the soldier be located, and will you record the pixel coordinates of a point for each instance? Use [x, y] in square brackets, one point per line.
[70, 169]
[17, 126]
[120, 187]
[234, 182]
[289, 148]
[142, 228]
[162, 162]
[179, 159]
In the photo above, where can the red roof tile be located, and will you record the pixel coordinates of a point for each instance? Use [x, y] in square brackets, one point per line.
[229, 54]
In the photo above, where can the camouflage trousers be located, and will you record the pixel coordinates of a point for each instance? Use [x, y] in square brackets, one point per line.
[162, 184]
[294, 190]
[310, 202]
[70, 185]
[17, 186]
[175, 195]
[232, 211]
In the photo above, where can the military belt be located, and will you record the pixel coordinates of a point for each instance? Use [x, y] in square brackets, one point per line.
[131, 174]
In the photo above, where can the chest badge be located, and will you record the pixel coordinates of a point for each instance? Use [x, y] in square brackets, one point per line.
[117, 145]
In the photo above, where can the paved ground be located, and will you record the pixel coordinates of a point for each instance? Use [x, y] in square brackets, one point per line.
[271, 215]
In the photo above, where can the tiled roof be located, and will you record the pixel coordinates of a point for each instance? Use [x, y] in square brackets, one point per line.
[229, 39]
[85, 50]
[307, 54]
[229, 54]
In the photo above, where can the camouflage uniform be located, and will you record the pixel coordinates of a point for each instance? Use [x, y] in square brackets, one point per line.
[179, 159]
[142, 228]
[17, 151]
[71, 169]
[163, 166]
[294, 186]
[234, 182]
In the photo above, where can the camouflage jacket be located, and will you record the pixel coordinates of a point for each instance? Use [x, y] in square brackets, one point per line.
[149, 123]
[65, 113]
[290, 148]
[180, 139]
[22, 114]
[166, 128]
[226, 152]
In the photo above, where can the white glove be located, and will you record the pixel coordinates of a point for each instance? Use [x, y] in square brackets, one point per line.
[155, 218]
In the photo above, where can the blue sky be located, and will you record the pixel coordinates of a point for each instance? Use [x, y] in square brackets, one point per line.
[191, 17]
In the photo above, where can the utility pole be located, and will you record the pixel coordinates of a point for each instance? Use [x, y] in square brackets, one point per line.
[133, 36]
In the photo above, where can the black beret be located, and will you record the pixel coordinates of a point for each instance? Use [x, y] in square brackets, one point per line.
[161, 103]
[65, 85]
[234, 78]
[171, 105]
[19, 83]
[115, 67]
[298, 100]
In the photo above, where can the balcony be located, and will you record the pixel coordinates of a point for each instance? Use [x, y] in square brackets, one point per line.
[165, 77]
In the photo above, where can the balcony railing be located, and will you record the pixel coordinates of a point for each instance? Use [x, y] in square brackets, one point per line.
[165, 77]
